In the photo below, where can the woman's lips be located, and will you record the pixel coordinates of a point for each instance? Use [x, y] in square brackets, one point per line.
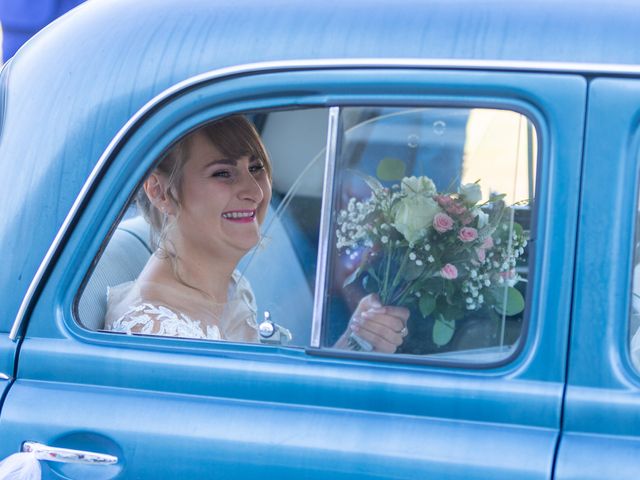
[240, 216]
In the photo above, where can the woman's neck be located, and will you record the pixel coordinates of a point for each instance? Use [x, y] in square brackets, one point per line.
[209, 278]
[212, 276]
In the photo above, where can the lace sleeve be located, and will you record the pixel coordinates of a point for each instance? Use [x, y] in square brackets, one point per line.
[149, 319]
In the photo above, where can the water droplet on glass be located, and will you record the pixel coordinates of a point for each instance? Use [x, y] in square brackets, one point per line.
[413, 140]
[439, 127]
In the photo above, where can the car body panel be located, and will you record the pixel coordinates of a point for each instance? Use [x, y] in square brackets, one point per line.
[602, 406]
[235, 390]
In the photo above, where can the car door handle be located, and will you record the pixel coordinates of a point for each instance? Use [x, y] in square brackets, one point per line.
[67, 455]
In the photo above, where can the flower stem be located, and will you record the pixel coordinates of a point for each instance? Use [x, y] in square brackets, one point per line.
[398, 274]
[384, 294]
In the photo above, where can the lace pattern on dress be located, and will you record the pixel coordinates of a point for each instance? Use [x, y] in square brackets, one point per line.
[150, 319]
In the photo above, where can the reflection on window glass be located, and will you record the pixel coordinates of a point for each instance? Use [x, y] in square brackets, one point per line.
[431, 223]
[634, 320]
[220, 241]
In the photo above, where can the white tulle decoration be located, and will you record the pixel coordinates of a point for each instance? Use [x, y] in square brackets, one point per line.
[20, 466]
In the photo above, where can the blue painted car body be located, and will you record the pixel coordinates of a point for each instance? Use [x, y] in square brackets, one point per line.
[566, 407]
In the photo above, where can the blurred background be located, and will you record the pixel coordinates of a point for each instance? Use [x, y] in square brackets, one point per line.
[21, 19]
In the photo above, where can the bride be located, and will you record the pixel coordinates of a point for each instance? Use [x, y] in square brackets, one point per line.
[205, 202]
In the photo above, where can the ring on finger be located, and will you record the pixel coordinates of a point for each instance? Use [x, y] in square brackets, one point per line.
[404, 332]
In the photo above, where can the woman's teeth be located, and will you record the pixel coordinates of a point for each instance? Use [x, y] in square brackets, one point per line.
[238, 214]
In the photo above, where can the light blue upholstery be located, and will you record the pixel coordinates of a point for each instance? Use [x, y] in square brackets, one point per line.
[122, 260]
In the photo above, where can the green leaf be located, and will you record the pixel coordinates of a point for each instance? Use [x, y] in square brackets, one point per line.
[443, 330]
[370, 285]
[448, 287]
[514, 302]
[427, 305]
[412, 271]
[452, 312]
[390, 169]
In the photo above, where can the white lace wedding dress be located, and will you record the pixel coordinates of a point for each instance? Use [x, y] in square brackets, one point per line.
[154, 309]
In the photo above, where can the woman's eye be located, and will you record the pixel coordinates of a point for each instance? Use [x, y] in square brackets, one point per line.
[221, 174]
[258, 167]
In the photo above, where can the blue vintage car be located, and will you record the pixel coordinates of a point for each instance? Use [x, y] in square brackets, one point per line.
[528, 367]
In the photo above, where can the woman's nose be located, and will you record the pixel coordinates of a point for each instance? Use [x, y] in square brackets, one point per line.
[249, 188]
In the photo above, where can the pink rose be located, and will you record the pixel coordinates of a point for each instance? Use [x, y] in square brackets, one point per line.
[443, 200]
[456, 209]
[466, 219]
[488, 243]
[442, 222]
[450, 272]
[467, 234]
[482, 254]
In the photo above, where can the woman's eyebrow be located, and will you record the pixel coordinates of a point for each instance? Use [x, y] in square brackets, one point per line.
[224, 161]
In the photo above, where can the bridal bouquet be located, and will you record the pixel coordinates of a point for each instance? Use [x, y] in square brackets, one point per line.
[444, 253]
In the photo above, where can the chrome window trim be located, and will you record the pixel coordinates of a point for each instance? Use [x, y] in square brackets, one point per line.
[333, 131]
[293, 65]
[4, 376]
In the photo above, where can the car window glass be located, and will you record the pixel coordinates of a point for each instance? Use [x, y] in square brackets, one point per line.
[634, 318]
[275, 278]
[432, 213]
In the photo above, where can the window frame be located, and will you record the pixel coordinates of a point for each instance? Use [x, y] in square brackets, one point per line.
[326, 239]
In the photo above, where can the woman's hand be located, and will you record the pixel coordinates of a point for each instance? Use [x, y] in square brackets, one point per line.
[383, 327]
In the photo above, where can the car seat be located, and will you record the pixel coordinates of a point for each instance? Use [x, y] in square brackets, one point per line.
[273, 269]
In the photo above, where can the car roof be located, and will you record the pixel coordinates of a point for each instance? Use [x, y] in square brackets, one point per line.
[72, 87]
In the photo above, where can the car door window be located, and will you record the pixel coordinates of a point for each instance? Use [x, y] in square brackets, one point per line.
[276, 277]
[432, 213]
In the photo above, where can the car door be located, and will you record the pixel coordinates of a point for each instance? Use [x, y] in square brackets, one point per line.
[600, 429]
[179, 408]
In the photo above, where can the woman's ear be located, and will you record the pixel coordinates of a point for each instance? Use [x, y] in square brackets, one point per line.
[155, 186]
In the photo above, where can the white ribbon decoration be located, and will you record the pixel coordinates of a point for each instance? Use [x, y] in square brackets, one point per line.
[20, 466]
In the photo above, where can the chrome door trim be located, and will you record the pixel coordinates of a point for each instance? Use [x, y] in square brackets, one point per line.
[333, 131]
[294, 65]
[67, 455]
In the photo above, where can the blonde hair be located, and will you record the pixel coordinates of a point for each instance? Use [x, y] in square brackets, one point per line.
[234, 136]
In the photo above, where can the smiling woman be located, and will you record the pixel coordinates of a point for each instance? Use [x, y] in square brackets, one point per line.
[205, 202]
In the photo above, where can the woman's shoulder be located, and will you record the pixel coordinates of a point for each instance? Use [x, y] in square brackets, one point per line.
[151, 319]
[129, 311]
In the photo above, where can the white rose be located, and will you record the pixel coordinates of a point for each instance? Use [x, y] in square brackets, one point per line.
[418, 186]
[483, 218]
[471, 192]
[414, 216]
